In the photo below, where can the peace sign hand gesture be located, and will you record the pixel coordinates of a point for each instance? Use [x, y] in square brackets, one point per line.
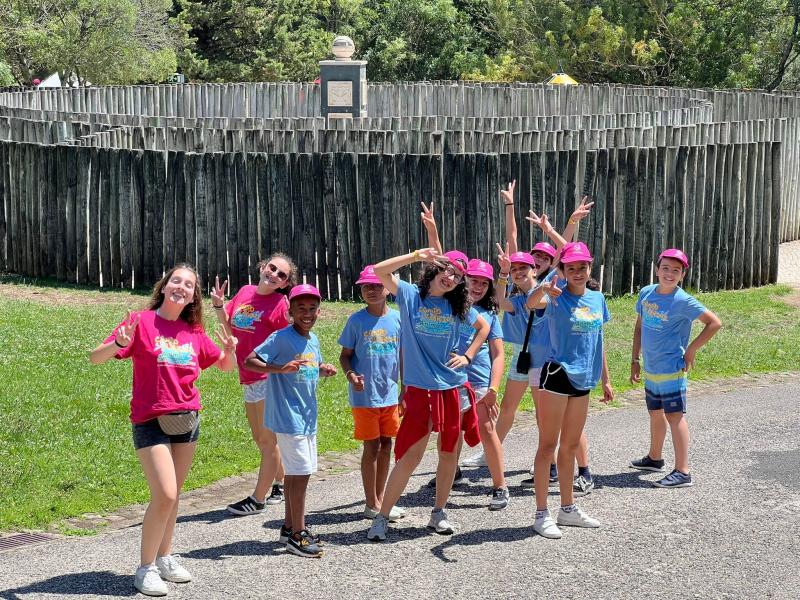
[228, 341]
[218, 293]
[125, 332]
[428, 220]
[430, 255]
[583, 210]
[543, 222]
[503, 260]
[508, 194]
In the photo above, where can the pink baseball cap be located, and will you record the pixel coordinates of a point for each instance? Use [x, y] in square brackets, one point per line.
[546, 248]
[304, 289]
[522, 257]
[458, 259]
[677, 255]
[575, 252]
[477, 268]
[368, 276]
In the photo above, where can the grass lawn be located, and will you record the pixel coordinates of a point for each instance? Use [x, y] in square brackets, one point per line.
[65, 441]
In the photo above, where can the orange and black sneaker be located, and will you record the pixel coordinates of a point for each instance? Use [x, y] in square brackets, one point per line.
[302, 543]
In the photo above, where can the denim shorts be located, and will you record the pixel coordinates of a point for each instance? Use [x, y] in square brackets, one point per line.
[149, 434]
[512, 369]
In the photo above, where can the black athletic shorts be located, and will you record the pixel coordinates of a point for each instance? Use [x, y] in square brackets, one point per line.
[554, 379]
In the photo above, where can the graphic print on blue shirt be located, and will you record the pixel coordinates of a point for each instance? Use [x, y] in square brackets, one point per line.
[576, 336]
[479, 371]
[375, 342]
[666, 327]
[291, 405]
[429, 333]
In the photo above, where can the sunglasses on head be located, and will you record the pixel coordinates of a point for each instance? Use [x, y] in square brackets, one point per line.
[280, 274]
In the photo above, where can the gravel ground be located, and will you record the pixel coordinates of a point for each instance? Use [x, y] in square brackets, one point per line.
[733, 535]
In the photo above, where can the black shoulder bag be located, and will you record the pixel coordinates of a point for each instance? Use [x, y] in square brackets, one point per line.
[524, 358]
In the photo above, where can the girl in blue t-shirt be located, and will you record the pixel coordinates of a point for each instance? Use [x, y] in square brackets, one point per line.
[575, 364]
[432, 313]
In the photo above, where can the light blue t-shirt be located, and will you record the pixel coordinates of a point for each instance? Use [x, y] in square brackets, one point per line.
[576, 336]
[291, 404]
[666, 327]
[375, 342]
[515, 323]
[479, 371]
[429, 333]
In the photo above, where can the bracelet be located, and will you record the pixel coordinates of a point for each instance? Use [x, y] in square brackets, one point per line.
[347, 373]
[469, 360]
[635, 360]
[493, 389]
[508, 203]
[572, 221]
[502, 276]
[415, 254]
[118, 345]
[220, 307]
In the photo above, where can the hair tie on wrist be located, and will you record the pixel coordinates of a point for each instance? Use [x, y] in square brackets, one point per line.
[118, 345]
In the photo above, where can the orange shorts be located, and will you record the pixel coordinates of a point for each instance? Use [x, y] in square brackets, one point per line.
[372, 423]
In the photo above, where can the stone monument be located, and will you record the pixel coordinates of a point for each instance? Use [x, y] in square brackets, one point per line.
[343, 82]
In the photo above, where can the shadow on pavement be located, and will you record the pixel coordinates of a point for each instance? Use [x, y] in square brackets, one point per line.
[475, 538]
[100, 583]
[210, 517]
[243, 548]
[626, 479]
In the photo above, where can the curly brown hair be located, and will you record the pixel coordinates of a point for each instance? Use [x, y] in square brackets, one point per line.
[193, 313]
[291, 281]
[457, 297]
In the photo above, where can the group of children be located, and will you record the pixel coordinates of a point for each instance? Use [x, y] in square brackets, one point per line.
[434, 365]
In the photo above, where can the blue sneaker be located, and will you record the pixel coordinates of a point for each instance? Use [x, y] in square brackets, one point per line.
[676, 479]
[553, 474]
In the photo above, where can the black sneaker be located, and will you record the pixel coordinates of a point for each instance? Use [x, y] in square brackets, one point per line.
[459, 479]
[286, 532]
[248, 506]
[303, 544]
[553, 474]
[648, 464]
[276, 497]
[500, 499]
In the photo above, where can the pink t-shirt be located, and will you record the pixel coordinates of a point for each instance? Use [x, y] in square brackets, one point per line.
[167, 359]
[253, 318]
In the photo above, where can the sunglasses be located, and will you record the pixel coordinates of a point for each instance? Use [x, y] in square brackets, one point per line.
[280, 274]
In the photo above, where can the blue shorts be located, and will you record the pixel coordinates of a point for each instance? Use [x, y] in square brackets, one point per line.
[512, 368]
[665, 392]
[150, 433]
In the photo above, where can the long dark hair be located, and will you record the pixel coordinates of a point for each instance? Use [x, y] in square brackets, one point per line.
[488, 302]
[193, 312]
[457, 297]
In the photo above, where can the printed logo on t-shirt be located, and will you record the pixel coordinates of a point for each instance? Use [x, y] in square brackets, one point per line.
[585, 321]
[379, 343]
[432, 322]
[174, 353]
[245, 317]
[652, 317]
[310, 370]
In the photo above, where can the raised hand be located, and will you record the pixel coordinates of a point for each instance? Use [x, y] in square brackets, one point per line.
[125, 333]
[218, 293]
[551, 289]
[428, 220]
[430, 255]
[293, 366]
[583, 210]
[228, 341]
[503, 260]
[508, 194]
[542, 222]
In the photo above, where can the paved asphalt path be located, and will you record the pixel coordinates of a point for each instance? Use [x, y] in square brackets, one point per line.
[733, 535]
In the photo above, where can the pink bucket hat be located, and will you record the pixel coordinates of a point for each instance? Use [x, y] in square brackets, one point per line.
[458, 259]
[522, 257]
[677, 255]
[368, 276]
[304, 290]
[575, 252]
[477, 268]
[546, 248]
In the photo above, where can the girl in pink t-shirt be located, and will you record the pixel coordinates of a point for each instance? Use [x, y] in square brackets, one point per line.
[168, 348]
[252, 315]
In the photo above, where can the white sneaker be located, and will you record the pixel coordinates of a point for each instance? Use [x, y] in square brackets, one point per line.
[577, 518]
[547, 528]
[378, 529]
[171, 570]
[439, 522]
[149, 582]
[476, 460]
[395, 514]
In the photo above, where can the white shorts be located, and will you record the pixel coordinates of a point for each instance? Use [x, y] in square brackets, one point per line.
[255, 392]
[480, 392]
[533, 377]
[298, 453]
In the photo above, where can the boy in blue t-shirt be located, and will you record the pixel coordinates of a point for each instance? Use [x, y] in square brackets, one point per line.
[292, 357]
[370, 359]
[663, 327]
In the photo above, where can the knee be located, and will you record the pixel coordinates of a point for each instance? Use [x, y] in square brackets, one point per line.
[546, 447]
[385, 447]
[371, 449]
[164, 500]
